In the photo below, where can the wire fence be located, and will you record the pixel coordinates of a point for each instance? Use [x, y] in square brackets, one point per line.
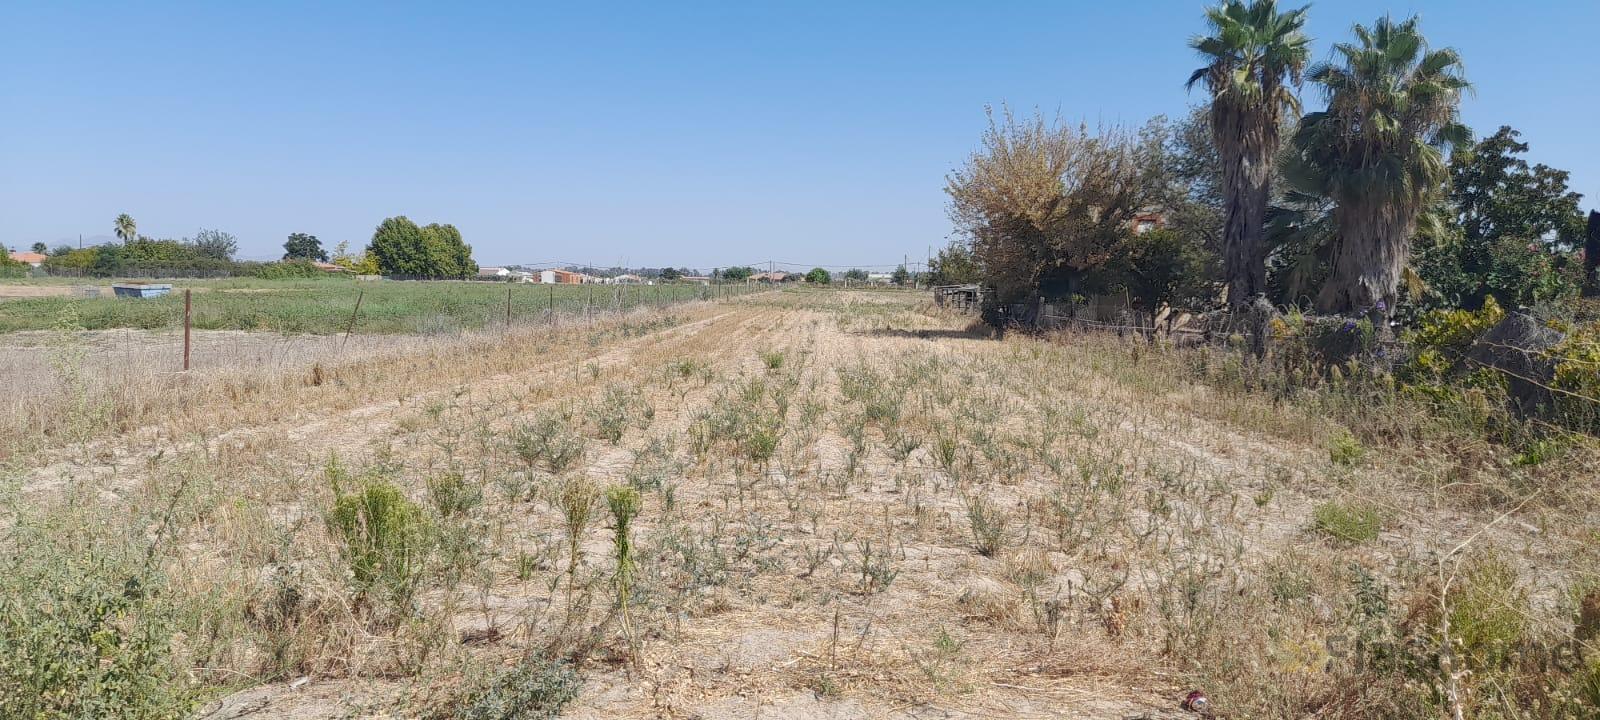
[208, 326]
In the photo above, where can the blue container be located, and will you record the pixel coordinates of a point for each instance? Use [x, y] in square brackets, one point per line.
[140, 290]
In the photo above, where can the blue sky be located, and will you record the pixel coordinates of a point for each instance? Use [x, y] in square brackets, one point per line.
[658, 133]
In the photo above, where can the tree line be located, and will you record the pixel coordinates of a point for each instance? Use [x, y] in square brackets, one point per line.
[1377, 203]
[398, 247]
[208, 252]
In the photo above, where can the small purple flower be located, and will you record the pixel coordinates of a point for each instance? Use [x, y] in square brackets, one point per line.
[1383, 305]
[1349, 325]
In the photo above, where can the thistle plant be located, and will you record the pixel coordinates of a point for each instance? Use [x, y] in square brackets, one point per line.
[624, 502]
[577, 508]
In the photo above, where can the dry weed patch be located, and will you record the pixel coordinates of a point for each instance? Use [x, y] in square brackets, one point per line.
[834, 496]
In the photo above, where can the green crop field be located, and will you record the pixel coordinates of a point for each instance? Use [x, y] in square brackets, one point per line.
[326, 305]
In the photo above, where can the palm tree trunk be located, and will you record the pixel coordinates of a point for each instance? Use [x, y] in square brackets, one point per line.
[1246, 172]
[1591, 257]
[1374, 247]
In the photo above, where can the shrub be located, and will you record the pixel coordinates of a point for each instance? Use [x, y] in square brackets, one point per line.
[548, 440]
[287, 270]
[385, 539]
[452, 495]
[12, 268]
[1577, 378]
[1347, 522]
[533, 690]
[617, 409]
[760, 441]
[1345, 449]
[1488, 612]
[988, 524]
[1443, 337]
[86, 637]
[1582, 694]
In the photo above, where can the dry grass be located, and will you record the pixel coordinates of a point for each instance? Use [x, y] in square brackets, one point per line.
[852, 506]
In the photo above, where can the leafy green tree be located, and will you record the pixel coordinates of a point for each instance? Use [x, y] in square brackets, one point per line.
[671, 274]
[1254, 58]
[856, 275]
[1045, 205]
[955, 264]
[360, 263]
[107, 260]
[1457, 272]
[1508, 229]
[1191, 172]
[73, 260]
[10, 268]
[449, 256]
[738, 273]
[437, 246]
[1378, 153]
[1496, 193]
[301, 246]
[819, 276]
[39, 247]
[60, 250]
[900, 276]
[126, 229]
[1162, 267]
[399, 247]
[215, 244]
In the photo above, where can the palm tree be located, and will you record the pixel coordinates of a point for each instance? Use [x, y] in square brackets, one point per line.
[1254, 56]
[1300, 240]
[127, 230]
[1378, 152]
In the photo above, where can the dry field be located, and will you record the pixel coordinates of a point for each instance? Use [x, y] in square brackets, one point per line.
[848, 505]
[17, 291]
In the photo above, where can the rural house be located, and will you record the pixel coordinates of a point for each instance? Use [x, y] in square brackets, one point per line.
[31, 258]
[560, 277]
[1148, 220]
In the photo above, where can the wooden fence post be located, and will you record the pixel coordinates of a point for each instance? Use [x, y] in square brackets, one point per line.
[352, 325]
[508, 307]
[187, 314]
